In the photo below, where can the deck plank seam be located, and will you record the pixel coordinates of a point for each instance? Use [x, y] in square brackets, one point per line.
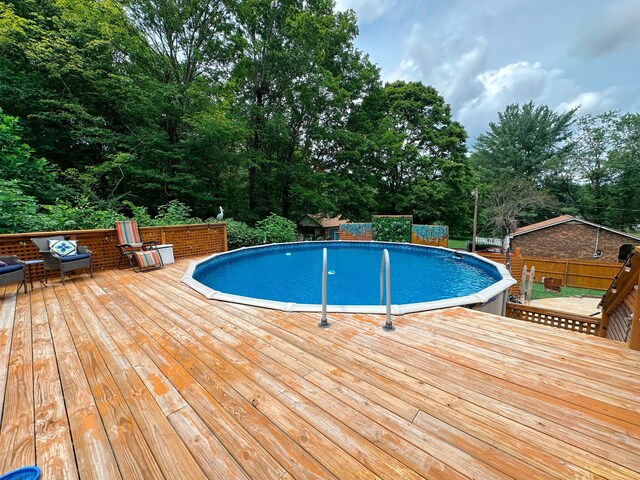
[83, 373]
[480, 406]
[444, 358]
[4, 369]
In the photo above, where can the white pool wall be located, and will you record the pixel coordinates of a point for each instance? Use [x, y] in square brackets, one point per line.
[492, 299]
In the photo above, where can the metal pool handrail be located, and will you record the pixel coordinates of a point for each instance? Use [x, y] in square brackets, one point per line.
[386, 263]
[323, 319]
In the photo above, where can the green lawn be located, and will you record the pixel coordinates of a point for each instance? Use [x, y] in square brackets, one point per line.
[457, 243]
[539, 292]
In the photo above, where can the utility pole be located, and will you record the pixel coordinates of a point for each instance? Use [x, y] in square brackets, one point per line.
[475, 219]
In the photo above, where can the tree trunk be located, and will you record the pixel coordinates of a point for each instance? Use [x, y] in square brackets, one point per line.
[257, 147]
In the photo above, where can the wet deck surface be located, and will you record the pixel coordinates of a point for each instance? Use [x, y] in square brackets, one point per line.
[136, 376]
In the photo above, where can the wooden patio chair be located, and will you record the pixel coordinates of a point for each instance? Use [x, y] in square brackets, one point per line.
[142, 256]
[11, 271]
[63, 255]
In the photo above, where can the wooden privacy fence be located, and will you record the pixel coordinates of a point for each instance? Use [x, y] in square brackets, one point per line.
[515, 262]
[188, 241]
[551, 318]
[575, 273]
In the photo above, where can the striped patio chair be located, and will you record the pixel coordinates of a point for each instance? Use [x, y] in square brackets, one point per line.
[142, 256]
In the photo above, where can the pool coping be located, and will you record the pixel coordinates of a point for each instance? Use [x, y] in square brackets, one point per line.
[482, 297]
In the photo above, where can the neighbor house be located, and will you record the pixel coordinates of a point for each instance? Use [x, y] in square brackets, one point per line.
[571, 237]
[317, 226]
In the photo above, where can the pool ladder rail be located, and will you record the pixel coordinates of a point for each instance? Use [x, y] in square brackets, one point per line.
[385, 264]
[323, 320]
[385, 280]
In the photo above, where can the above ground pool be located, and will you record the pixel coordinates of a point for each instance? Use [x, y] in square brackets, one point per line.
[289, 277]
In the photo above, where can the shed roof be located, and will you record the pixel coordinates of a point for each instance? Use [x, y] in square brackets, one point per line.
[326, 222]
[551, 222]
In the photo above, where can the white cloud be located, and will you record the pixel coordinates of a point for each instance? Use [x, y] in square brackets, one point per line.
[521, 82]
[459, 69]
[366, 10]
[614, 29]
[483, 56]
[452, 65]
[589, 102]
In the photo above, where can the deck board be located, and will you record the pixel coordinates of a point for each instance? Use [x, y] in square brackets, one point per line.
[17, 434]
[137, 376]
[54, 447]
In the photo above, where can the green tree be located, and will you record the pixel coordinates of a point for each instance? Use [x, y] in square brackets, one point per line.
[276, 229]
[415, 154]
[528, 141]
[588, 166]
[60, 71]
[624, 171]
[523, 157]
[34, 176]
[297, 74]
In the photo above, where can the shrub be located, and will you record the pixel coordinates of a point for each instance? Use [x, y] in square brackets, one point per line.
[18, 211]
[276, 229]
[139, 214]
[239, 234]
[175, 213]
[392, 229]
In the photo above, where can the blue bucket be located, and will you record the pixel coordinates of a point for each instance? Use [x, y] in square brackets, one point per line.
[24, 473]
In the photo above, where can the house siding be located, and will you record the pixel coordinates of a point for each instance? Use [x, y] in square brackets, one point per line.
[571, 240]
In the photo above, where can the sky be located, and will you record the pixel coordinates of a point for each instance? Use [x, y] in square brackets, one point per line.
[483, 55]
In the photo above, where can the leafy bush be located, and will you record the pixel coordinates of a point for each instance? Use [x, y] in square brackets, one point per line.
[175, 213]
[276, 229]
[139, 214]
[392, 229]
[19, 211]
[239, 234]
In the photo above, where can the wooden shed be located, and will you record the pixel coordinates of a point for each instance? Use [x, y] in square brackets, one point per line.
[573, 238]
[313, 227]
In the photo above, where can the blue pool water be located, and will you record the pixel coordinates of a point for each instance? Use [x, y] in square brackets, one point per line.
[293, 273]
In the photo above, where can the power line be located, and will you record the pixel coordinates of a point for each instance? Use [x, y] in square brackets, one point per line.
[601, 208]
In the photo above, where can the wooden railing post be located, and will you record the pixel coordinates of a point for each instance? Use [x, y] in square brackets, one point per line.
[634, 334]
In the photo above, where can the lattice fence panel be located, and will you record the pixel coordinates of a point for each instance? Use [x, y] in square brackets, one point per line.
[196, 240]
[550, 318]
[619, 326]
[187, 240]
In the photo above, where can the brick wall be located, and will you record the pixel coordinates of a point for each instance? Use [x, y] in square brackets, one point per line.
[571, 240]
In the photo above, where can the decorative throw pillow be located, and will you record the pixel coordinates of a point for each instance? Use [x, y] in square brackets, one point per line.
[2, 264]
[63, 248]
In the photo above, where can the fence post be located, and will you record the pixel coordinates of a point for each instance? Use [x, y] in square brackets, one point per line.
[566, 272]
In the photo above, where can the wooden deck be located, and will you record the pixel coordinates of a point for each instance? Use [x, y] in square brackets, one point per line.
[136, 376]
